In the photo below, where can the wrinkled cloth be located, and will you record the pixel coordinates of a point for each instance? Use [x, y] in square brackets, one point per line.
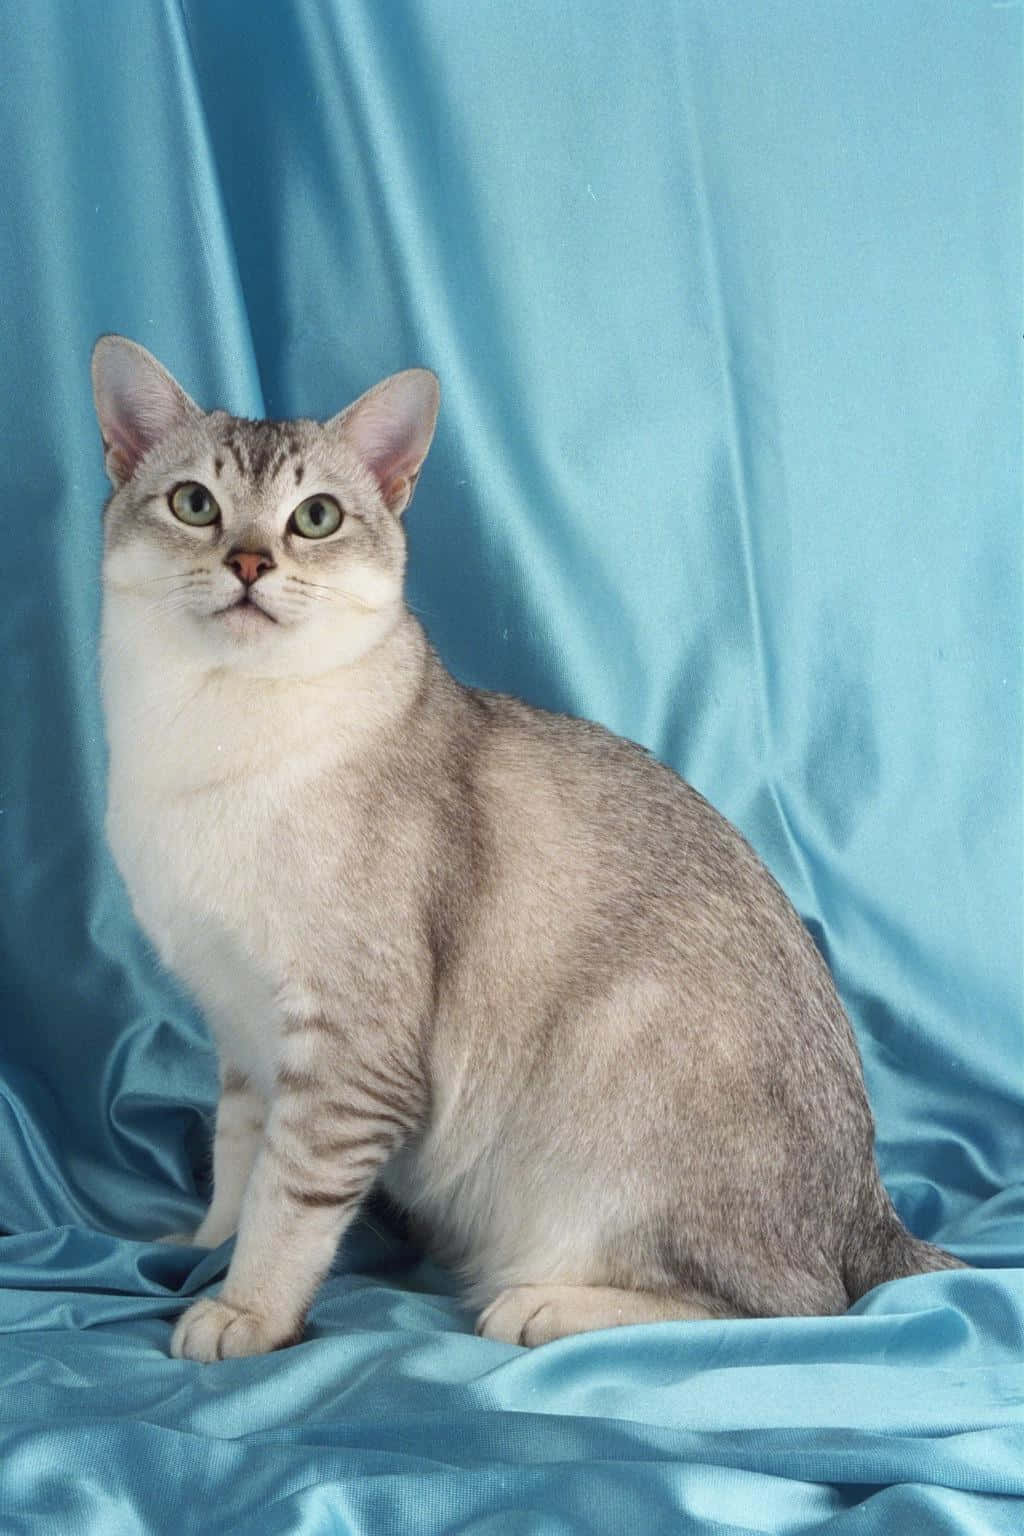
[724, 300]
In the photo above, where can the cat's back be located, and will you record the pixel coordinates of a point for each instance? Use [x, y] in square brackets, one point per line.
[611, 862]
[595, 796]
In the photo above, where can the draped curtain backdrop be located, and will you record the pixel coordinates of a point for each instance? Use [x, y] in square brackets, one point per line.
[725, 303]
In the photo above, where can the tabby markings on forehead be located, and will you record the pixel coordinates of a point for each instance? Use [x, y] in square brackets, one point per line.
[232, 447]
[262, 449]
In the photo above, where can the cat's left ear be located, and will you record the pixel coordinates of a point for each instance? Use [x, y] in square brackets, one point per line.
[137, 402]
[391, 428]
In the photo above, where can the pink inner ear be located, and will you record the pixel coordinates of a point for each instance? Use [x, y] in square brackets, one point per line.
[391, 428]
[125, 448]
[137, 402]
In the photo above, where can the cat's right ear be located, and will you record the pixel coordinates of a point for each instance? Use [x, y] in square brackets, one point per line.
[137, 403]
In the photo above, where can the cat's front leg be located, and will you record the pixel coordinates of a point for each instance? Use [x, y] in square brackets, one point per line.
[241, 1122]
[343, 1101]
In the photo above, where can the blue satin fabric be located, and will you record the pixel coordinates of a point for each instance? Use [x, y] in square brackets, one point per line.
[725, 304]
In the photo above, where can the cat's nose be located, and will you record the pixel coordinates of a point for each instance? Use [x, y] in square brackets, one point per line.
[249, 564]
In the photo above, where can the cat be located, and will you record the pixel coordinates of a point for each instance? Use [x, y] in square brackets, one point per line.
[499, 960]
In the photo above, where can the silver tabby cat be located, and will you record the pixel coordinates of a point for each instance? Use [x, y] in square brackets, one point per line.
[498, 959]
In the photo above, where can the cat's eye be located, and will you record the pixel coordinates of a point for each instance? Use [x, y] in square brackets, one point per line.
[316, 517]
[192, 503]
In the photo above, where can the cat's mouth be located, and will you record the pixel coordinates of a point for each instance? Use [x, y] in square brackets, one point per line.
[244, 612]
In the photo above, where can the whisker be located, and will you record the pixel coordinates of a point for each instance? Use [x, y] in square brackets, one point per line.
[197, 570]
[189, 701]
[343, 592]
[150, 581]
[335, 594]
[421, 613]
[186, 586]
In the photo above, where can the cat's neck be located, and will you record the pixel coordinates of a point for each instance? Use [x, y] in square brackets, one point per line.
[193, 725]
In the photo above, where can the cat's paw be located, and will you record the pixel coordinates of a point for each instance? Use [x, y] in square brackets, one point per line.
[529, 1315]
[216, 1330]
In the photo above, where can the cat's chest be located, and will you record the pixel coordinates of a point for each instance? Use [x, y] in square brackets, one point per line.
[224, 851]
[216, 854]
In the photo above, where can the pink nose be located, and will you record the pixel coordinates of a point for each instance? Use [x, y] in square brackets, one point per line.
[249, 564]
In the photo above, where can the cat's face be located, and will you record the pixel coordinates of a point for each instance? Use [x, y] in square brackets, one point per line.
[274, 547]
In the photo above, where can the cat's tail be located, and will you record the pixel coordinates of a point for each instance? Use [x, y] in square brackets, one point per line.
[880, 1248]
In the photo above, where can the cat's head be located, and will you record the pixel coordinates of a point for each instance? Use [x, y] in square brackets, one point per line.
[268, 546]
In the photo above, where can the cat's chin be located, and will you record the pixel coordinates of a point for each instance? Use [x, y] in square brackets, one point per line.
[244, 622]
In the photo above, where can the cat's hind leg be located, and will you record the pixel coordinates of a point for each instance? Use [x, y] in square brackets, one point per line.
[536, 1314]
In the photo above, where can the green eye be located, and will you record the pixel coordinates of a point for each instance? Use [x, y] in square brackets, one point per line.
[316, 517]
[192, 503]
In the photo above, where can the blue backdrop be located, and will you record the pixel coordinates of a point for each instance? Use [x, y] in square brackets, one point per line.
[725, 302]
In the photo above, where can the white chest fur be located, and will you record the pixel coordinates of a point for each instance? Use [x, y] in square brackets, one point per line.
[200, 896]
[209, 773]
